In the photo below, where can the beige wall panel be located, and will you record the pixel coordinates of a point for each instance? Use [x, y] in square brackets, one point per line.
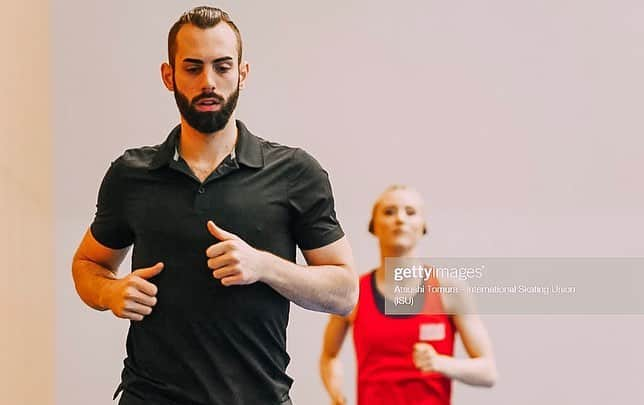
[26, 287]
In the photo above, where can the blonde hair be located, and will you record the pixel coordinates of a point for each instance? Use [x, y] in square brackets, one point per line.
[389, 189]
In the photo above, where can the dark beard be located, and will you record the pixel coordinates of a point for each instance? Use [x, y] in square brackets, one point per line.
[206, 122]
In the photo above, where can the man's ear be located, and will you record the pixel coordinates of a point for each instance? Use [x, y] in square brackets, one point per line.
[166, 76]
[244, 69]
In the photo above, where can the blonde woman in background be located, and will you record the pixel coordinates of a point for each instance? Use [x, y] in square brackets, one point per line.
[404, 359]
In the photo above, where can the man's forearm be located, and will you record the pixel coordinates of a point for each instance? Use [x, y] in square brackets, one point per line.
[91, 281]
[328, 288]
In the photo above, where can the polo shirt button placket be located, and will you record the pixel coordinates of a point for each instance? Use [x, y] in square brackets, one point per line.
[201, 200]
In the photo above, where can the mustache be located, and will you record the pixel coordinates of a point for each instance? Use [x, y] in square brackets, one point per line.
[202, 96]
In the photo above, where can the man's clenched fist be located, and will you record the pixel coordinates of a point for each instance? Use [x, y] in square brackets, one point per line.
[133, 296]
[232, 260]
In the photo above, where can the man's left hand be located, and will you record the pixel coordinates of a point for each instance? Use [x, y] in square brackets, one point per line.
[232, 260]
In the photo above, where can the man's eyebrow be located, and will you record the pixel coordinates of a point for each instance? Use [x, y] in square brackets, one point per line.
[200, 62]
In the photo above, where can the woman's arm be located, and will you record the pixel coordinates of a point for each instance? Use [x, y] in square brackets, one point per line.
[330, 367]
[479, 369]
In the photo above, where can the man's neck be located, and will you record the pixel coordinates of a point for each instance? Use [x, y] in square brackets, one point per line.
[207, 149]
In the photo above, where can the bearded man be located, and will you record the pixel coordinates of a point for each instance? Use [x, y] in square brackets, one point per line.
[214, 215]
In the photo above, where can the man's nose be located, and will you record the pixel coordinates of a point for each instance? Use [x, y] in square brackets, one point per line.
[209, 83]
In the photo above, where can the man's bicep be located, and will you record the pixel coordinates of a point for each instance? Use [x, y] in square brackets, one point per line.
[94, 251]
[337, 253]
[337, 279]
[111, 225]
[310, 197]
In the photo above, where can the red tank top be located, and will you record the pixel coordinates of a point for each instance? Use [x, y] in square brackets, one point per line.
[384, 347]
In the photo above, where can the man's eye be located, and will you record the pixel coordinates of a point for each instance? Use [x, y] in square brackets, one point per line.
[411, 211]
[222, 69]
[389, 212]
[193, 69]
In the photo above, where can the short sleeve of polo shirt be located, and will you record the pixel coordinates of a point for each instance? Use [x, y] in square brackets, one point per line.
[310, 196]
[110, 226]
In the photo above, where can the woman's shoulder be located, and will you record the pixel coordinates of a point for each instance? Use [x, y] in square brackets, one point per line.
[365, 283]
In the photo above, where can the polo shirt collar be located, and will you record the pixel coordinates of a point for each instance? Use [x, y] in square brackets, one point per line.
[248, 149]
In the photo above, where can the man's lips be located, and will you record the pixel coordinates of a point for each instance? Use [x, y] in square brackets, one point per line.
[209, 100]
[207, 104]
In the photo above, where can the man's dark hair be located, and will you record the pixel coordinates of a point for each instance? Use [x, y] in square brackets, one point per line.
[202, 17]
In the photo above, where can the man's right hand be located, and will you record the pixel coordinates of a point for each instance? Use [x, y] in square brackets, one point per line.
[132, 297]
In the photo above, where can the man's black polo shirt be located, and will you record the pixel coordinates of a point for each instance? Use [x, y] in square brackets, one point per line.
[205, 343]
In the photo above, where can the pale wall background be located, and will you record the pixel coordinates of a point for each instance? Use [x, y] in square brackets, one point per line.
[518, 121]
[26, 216]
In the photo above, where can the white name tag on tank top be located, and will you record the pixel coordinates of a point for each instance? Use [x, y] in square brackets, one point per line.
[431, 331]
